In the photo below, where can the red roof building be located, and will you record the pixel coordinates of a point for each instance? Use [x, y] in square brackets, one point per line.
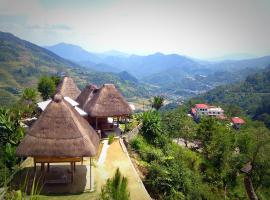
[237, 120]
[201, 106]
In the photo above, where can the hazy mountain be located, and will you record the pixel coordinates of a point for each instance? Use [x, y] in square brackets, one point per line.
[22, 63]
[172, 74]
[73, 52]
[236, 56]
[113, 53]
[101, 67]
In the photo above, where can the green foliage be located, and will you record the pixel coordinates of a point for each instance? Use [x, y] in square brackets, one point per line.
[22, 193]
[10, 133]
[176, 124]
[29, 94]
[115, 188]
[111, 138]
[27, 103]
[254, 146]
[157, 102]
[252, 95]
[151, 127]
[56, 79]
[46, 87]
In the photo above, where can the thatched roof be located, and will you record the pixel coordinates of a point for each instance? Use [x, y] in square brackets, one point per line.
[107, 102]
[68, 88]
[60, 131]
[86, 95]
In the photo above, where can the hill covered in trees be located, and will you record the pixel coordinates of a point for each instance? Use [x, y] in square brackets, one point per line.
[22, 63]
[252, 95]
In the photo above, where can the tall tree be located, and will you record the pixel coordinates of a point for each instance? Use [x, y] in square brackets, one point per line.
[46, 87]
[157, 102]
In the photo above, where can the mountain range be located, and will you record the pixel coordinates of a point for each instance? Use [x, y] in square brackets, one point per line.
[173, 74]
[22, 63]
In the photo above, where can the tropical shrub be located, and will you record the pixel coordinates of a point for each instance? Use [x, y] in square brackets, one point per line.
[115, 188]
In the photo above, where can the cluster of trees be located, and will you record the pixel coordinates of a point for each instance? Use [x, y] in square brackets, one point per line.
[211, 172]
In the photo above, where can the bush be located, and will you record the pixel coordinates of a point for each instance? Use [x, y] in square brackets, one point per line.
[111, 138]
[151, 127]
[115, 188]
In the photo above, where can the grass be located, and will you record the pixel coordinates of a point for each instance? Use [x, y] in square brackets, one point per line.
[82, 196]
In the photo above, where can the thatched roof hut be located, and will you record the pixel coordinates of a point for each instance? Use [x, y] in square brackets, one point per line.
[86, 95]
[68, 88]
[60, 131]
[107, 102]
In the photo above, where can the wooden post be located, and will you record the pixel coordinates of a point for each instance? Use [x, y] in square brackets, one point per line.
[35, 166]
[48, 167]
[42, 167]
[72, 171]
[125, 124]
[90, 174]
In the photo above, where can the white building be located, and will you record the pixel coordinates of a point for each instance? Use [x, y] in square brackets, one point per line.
[206, 110]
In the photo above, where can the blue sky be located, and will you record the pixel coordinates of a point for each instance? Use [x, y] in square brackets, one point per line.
[197, 28]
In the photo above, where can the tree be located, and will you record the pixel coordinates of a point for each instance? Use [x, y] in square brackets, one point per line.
[115, 188]
[27, 103]
[29, 94]
[151, 127]
[254, 145]
[46, 87]
[157, 102]
[187, 128]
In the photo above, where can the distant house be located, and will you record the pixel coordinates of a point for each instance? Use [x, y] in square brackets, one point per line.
[237, 122]
[207, 110]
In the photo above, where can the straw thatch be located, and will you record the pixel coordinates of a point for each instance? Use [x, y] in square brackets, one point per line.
[86, 95]
[107, 102]
[68, 88]
[59, 132]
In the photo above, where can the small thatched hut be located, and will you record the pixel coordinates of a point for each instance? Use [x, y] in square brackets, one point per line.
[86, 95]
[59, 135]
[106, 102]
[68, 88]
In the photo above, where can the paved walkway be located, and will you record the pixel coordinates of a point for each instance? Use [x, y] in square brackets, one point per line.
[117, 158]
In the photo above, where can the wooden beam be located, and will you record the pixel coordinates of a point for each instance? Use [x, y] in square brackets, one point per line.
[56, 159]
[90, 173]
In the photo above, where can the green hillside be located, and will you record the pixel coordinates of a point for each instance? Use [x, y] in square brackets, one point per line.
[22, 63]
[252, 95]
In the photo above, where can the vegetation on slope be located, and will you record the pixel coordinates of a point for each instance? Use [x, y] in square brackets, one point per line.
[213, 172]
[252, 95]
